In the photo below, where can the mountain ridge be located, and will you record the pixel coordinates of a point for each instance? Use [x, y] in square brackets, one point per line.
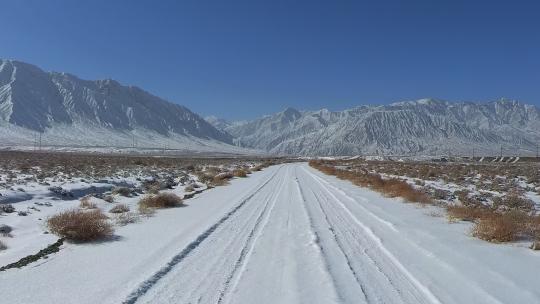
[32, 100]
[425, 126]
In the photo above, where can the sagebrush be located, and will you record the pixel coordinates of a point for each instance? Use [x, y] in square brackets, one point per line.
[81, 225]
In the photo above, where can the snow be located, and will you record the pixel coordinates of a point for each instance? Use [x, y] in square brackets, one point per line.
[83, 137]
[413, 128]
[288, 234]
[68, 112]
[40, 202]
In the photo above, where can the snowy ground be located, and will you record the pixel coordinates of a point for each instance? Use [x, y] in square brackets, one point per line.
[38, 202]
[288, 234]
[76, 138]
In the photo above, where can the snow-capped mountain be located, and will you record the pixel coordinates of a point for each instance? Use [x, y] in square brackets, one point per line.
[423, 127]
[219, 123]
[68, 110]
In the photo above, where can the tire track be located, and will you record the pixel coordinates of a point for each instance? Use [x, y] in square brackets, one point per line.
[446, 267]
[247, 250]
[366, 241]
[325, 254]
[144, 287]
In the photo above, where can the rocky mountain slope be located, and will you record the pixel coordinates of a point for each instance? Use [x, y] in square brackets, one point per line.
[67, 110]
[422, 127]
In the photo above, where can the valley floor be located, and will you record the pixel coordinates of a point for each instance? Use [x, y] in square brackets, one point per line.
[289, 234]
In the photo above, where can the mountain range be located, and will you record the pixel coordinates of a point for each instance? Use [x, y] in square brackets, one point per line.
[421, 127]
[66, 110]
[63, 110]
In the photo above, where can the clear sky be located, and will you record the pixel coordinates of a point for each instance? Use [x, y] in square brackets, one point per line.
[242, 59]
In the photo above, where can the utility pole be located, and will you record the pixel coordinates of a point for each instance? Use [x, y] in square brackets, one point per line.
[501, 151]
[537, 150]
[40, 141]
[473, 154]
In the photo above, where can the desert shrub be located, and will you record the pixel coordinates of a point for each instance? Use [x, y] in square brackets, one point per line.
[221, 178]
[80, 225]
[189, 188]
[120, 208]
[86, 203]
[497, 228]
[152, 186]
[123, 191]
[125, 218]
[398, 188]
[466, 213]
[512, 201]
[109, 198]
[204, 177]
[239, 173]
[161, 200]
[3, 246]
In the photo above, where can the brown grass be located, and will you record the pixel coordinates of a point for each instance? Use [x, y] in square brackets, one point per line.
[498, 228]
[161, 200]
[466, 213]
[222, 179]
[389, 187]
[493, 226]
[123, 191]
[80, 226]
[120, 208]
[239, 173]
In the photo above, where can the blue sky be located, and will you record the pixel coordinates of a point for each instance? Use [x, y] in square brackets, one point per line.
[242, 59]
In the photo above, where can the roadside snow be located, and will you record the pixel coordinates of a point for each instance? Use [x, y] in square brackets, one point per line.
[288, 234]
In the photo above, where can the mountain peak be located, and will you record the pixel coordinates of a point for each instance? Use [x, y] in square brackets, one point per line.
[422, 102]
[291, 113]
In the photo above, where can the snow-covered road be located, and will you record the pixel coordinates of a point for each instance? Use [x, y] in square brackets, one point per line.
[289, 234]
